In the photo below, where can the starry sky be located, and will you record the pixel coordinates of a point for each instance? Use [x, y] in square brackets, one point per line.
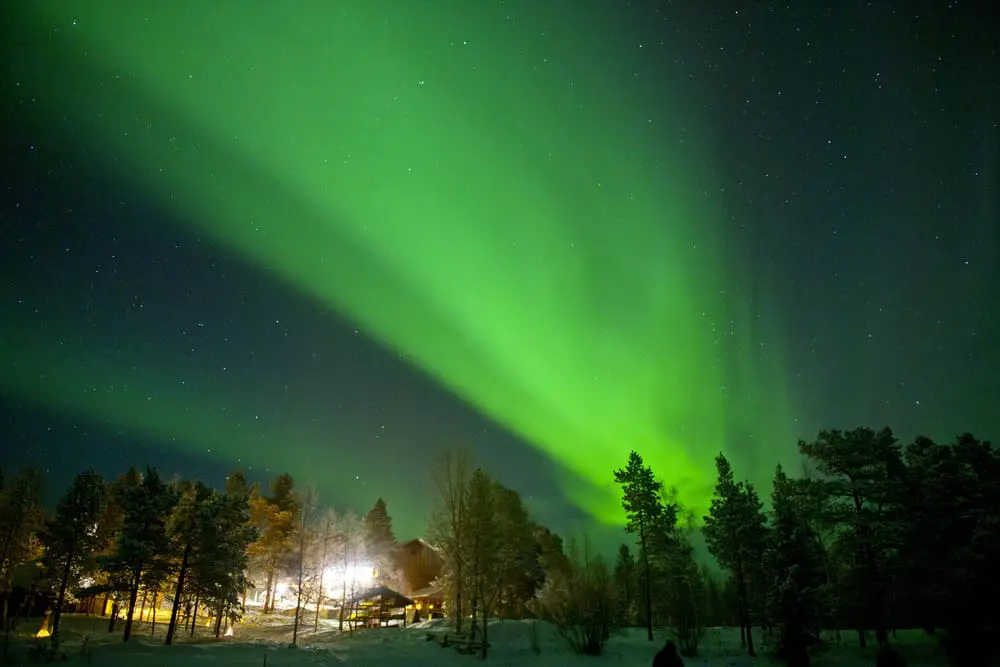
[337, 240]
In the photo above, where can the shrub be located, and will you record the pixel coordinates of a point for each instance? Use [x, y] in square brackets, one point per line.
[581, 602]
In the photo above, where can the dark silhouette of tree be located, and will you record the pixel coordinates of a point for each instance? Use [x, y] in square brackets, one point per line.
[643, 513]
[795, 563]
[862, 475]
[72, 534]
[735, 532]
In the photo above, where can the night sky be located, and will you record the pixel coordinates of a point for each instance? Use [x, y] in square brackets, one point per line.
[336, 238]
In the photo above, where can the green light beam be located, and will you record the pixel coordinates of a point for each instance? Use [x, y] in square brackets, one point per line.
[502, 212]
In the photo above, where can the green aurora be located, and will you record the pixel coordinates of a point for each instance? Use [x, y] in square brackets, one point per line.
[520, 228]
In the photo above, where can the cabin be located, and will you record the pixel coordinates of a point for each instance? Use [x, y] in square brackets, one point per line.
[420, 564]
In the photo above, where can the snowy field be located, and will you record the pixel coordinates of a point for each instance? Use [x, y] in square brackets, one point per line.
[264, 641]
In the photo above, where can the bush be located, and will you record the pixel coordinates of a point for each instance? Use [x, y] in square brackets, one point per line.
[581, 603]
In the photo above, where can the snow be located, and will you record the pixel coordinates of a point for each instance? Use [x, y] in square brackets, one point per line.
[264, 640]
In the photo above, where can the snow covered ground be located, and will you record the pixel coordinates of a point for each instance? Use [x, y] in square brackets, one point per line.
[263, 640]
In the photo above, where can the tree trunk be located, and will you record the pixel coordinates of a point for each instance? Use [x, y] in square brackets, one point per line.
[648, 585]
[132, 598]
[298, 591]
[218, 618]
[745, 613]
[64, 582]
[343, 604]
[319, 600]
[152, 615]
[142, 605]
[458, 595]
[486, 633]
[181, 574]
[194, 613]
[267, 593]
[114, 616]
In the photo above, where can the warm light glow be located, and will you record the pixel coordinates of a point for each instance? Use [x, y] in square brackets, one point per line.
[280, 589]
[355, 576]
[44, 632]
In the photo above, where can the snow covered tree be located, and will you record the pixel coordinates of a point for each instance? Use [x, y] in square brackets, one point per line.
[306, 538]
[71, 535]
[449, 527]
[643, 512]
[350, 553]
[325, 547]
[581, 601]
[735, 533]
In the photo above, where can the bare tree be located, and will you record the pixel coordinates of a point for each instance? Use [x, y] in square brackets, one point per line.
[449, 520]
[326, 538]
[349, 553]
[309, 511]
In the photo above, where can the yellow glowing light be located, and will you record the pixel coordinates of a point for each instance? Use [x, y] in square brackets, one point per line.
[44, 632]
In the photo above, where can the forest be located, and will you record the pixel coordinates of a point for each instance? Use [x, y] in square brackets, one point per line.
[871, 536]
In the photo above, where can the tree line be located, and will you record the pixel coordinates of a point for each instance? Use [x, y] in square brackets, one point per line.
[139, 540]
[875, 535]
[872, 536]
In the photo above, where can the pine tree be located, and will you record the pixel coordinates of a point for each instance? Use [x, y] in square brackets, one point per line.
[187, 527]
[797, 574]
[863, 477]
[521, 571]
[734, 531]
[276, 518]
[71, 535]
[20, 517]
[220, 569]
[380, 543]
[626, 579]
[643, 511]
[143, 539]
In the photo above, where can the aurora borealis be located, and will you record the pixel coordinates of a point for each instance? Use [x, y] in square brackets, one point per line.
[334, 239]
